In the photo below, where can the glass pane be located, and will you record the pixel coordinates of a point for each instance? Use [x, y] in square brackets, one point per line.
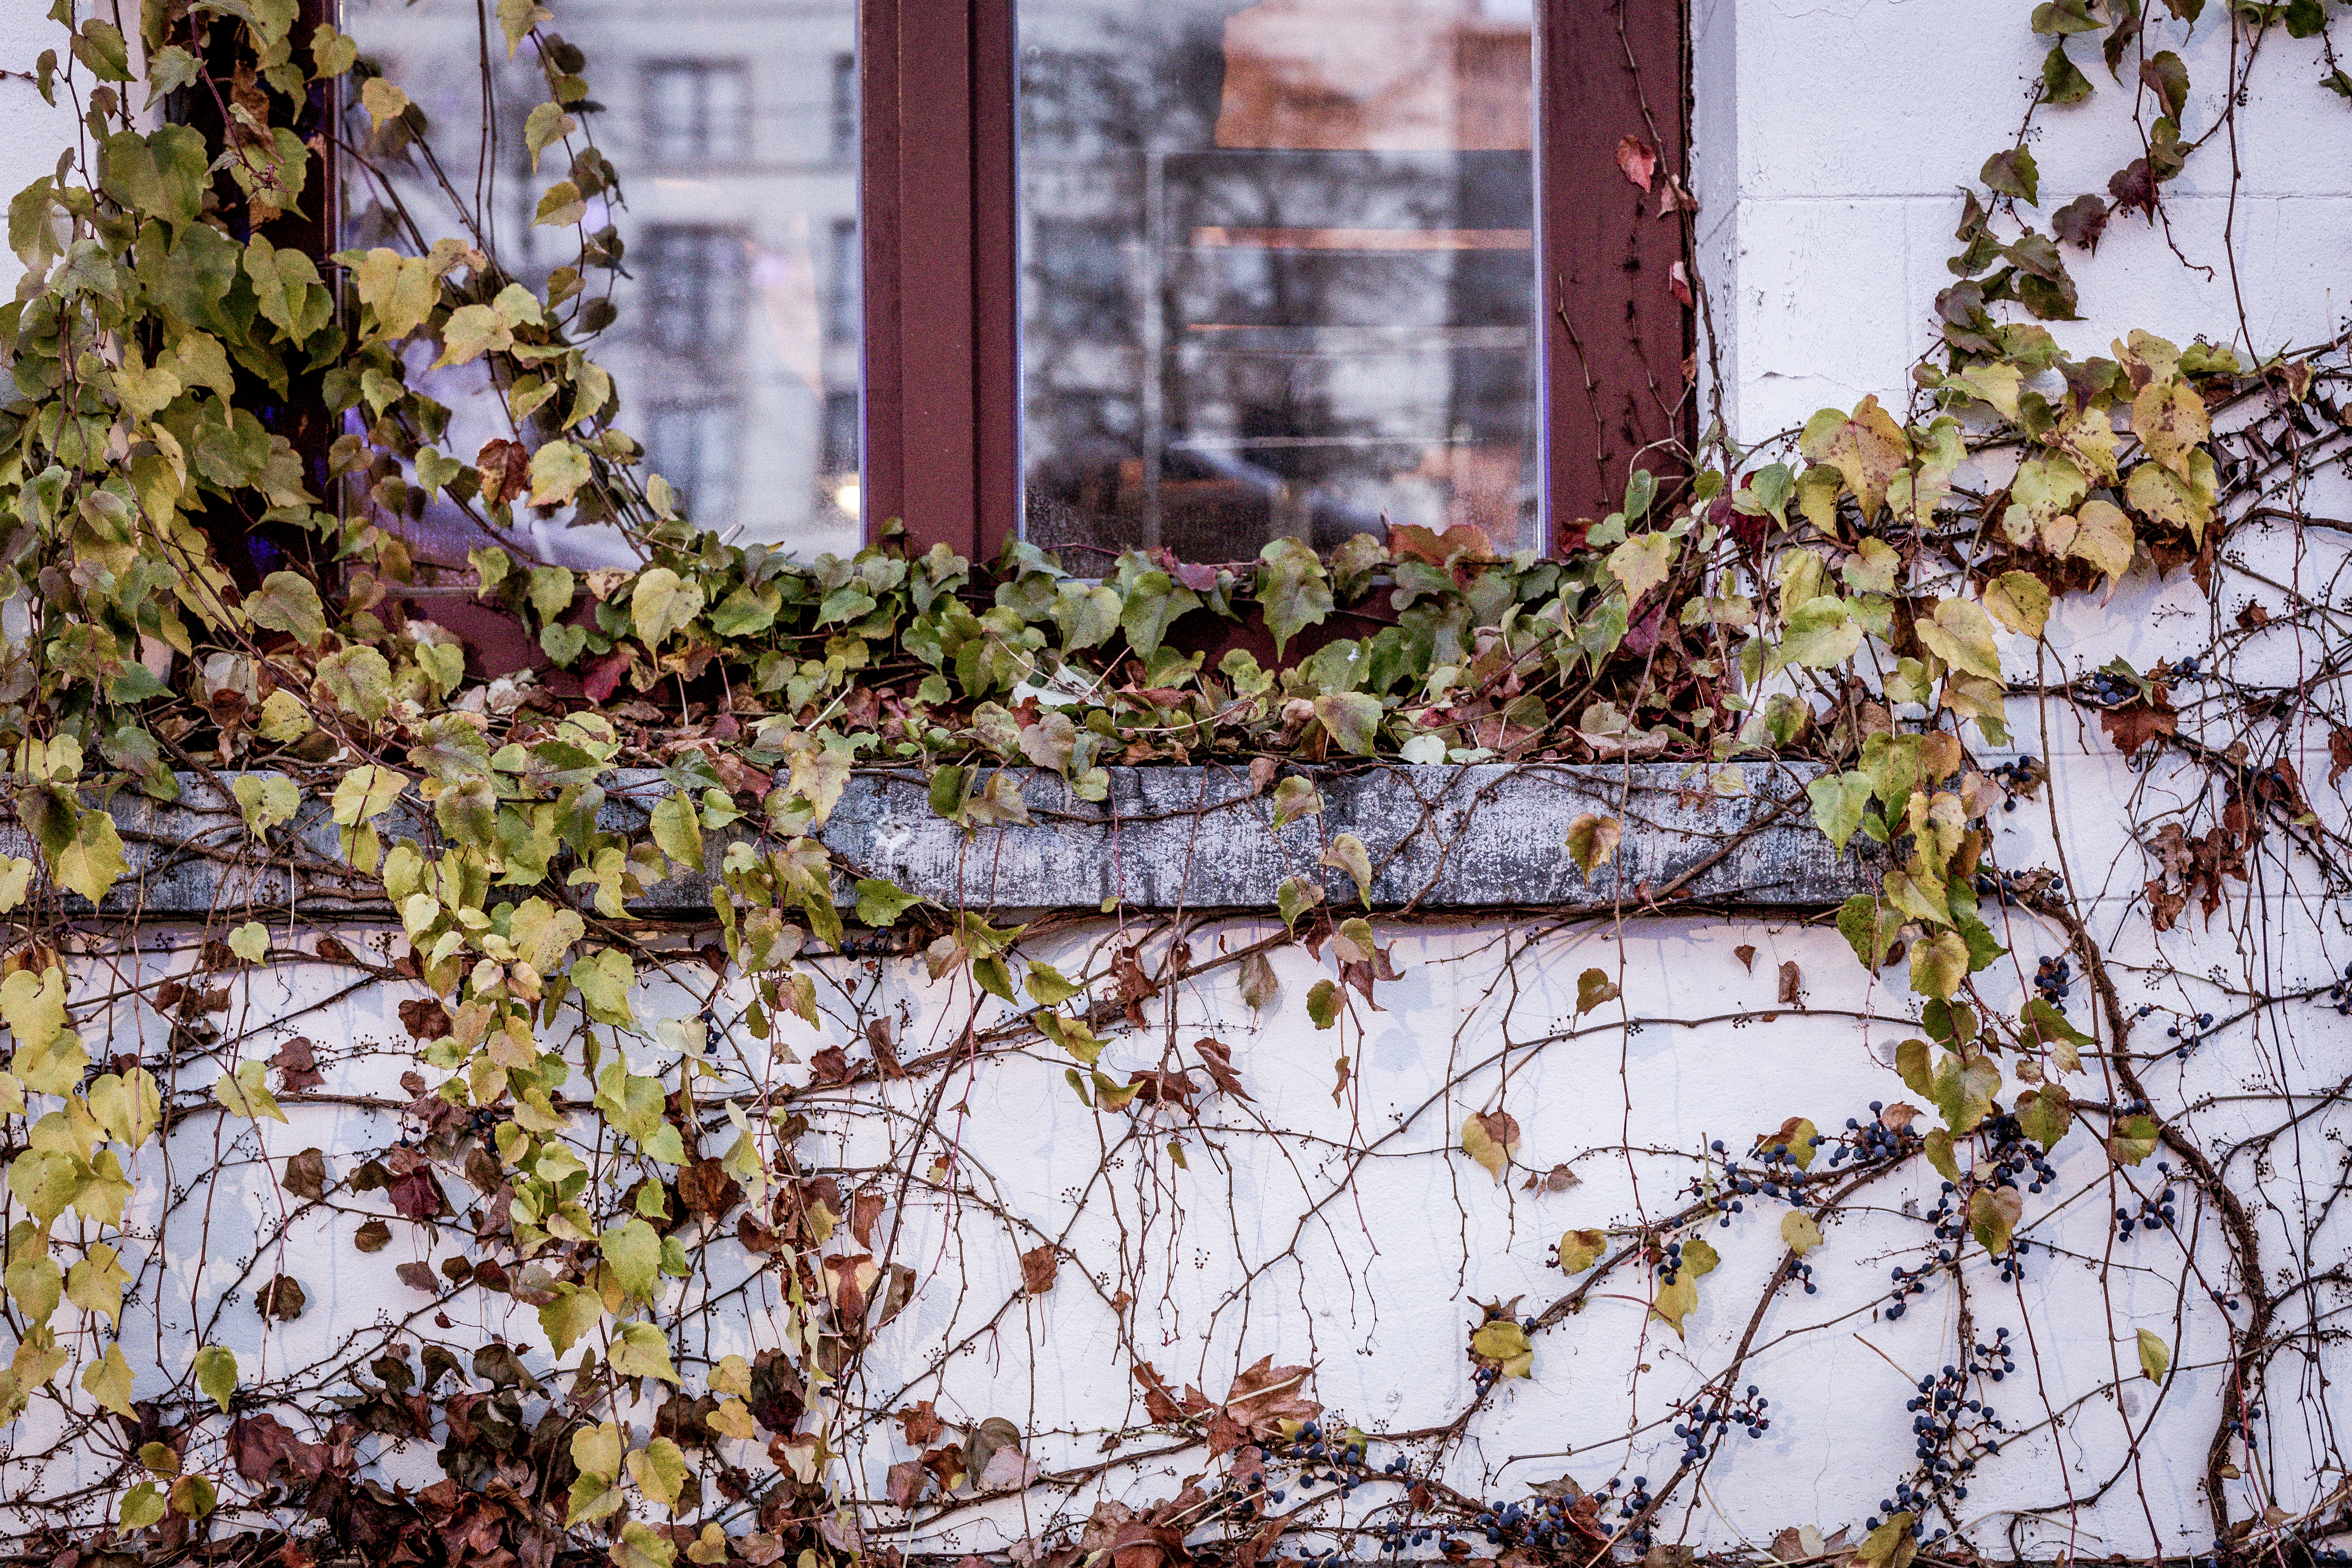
[732, 337]
[1278, 274]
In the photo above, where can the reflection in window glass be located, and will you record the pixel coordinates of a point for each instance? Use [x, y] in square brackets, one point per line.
[1277, 270]
[695, 112]
[732, 333]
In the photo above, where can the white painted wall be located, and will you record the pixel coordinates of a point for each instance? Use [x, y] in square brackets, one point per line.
[1830, 137]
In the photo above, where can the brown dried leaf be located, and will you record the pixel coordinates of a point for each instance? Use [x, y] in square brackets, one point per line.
[419, 1276]
[1265, 1394]
[1793, 985]
[298, 1067]
[706, 1188]
[305, 1174]
[1038, 1266]
[1746, 954]
[1218, 1059]
[425, 1017]
[282, 1299]
[2135, 724]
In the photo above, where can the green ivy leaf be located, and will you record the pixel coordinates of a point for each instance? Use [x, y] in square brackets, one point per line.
[2063, 81]
[216, 1368]
[880, 903]
[1594, 987]
[677, 830]
[1293, 591]
[1323, 1004]
[659, 1470]
[1353, 719]
[92, 859]
[557, 471]
[2154, 1356]
[2013, 174]
[633, 1251]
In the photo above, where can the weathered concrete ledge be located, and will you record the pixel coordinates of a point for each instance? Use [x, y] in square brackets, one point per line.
[1488, 836]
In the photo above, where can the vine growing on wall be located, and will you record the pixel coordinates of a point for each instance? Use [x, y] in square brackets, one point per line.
[655, 1145]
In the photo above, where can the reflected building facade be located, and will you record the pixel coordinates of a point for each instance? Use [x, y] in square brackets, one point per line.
[1277, 273]
[735, 351]
[1277, 270]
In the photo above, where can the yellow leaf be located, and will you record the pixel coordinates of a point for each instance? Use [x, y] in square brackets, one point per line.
[1490, 1139]
[108, 1381]
[1581, 1249]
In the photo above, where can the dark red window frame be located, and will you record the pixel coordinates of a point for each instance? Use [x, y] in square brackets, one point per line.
[942, 384]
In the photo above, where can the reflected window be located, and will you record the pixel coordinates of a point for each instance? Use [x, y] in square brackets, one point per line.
[844, 106]
[718, 290]
[842, 293]
[697, 112]
[1277, 270]
[693, 286]
[692, 444]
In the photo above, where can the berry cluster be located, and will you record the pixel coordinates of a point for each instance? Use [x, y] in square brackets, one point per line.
[2108, 689]
[1543, 1524]
[1870, 1141]
[1637, 1501]
[1950, 1431]
[2055, 979]
[2153, 1212]
[2191, 1039]
[2016, 778]
[2340, 994]
[1717, 1412]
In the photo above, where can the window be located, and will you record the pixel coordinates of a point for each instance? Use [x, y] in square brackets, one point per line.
[696, 112]
[729, 323]
[1191, 273]
[1215, 271]
[1296, 237]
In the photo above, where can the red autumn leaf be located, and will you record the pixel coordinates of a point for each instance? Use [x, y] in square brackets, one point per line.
[2340, 753]
[2135, 724]
[504, 468]
[425, 1017]
[298, 1067]
[419, 1276]
[864, 1208]
[1265, 1394]
[1638, 160]
[1218, 1059]
[603, 677]
[416, 1195]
